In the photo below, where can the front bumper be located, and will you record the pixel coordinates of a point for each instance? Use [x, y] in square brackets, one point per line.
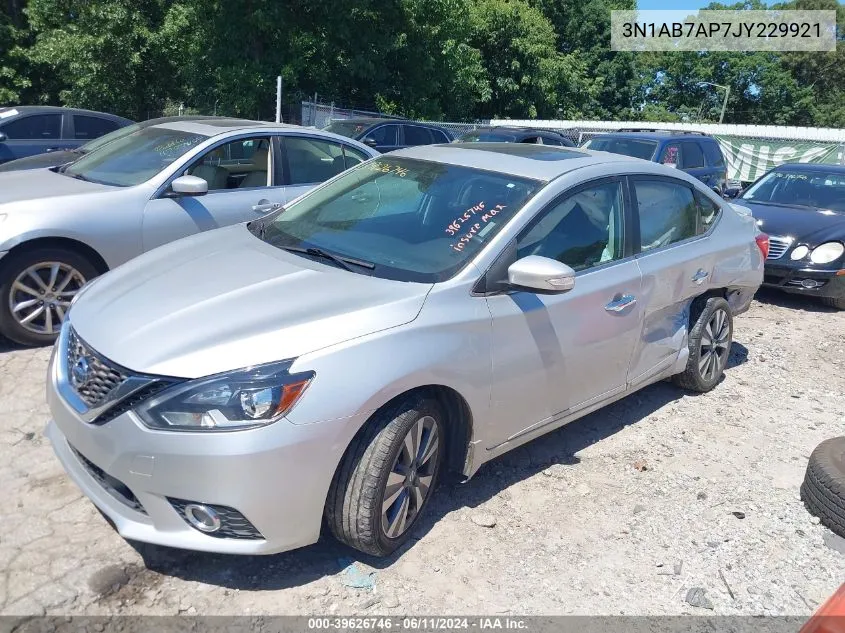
[276, 477]
[805, 281]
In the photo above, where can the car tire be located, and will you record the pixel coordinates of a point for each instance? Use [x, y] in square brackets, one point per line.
[823, 490]
[708, 349]
[363, 509]
[834, 302]
[41, 261]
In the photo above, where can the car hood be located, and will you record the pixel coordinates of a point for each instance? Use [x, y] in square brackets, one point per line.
[39, 161]
[32, 184]
[801, 223]
[224, 299]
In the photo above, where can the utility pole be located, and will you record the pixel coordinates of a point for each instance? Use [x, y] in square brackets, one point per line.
[279, 99]
[727, 90]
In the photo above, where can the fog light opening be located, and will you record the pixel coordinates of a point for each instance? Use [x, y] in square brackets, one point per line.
[202, 517]
[811, 283]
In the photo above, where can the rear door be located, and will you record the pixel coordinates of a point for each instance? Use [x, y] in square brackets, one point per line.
[416, 135]
[676, 259]
[30, 134]
[85, 128]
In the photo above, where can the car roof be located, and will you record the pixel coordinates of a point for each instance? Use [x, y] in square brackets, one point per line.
[212, 126]
[59, 110]
[811, 167]
[656, 135]
[538, 162]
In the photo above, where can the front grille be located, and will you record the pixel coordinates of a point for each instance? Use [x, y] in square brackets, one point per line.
[778, 246]
[101, 376]
[132, 401]
[232, 523]
[111, 485]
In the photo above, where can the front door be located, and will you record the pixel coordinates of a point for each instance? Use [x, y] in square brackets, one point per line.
[241, 187]
[555, 354]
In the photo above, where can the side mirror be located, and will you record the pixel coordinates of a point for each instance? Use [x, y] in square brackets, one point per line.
[541, 274]
[189, 186]
[3, 137]
[731, 193]
[370, 141]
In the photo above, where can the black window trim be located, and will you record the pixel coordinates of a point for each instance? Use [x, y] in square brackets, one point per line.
[635, 213]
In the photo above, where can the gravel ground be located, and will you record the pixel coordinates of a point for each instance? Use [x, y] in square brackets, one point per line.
[624, 511]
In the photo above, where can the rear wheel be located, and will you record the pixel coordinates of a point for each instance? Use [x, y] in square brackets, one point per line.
[36, 288]
[710, 341]
[387, 476]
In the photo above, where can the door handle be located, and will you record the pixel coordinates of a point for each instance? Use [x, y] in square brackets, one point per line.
[621, 303]
[264, 208]
[700, 276]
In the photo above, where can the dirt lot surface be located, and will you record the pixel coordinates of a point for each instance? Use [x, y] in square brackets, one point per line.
[624, 511]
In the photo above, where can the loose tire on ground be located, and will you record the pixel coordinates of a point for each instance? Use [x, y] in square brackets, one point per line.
[833, 302]
[12, 266]
[354, 506]
[702, 313]
[823, 490]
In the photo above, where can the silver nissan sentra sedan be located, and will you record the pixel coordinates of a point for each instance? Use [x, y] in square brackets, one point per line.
[424, 311]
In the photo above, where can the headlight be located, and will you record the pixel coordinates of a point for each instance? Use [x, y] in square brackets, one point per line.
[799, 252]
[827, 252]
[242, 399]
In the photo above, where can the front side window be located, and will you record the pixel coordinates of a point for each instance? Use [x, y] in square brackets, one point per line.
[581, 231]
[34, 128]
[667, 212]
[240, 164]
[312, 160]
[90, 127]
[412, 220]
[385, 135]
[133, 159]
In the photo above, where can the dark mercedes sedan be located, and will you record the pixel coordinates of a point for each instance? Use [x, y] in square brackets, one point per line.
[802, 208]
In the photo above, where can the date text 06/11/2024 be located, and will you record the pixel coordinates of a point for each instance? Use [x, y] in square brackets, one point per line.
[415, 624]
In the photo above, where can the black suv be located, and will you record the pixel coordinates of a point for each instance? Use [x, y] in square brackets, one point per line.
[387, 135]
[503, 134]
[693, 152]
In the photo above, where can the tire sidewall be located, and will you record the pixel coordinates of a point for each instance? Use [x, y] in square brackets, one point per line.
[710, 307]
[12, 266]
[422, 408]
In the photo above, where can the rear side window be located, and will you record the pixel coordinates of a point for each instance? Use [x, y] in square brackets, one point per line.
[90, 127]
[667, 212]
[714, 154]
[691, 155]
[38, 127]
[708, 212]
[415, 135]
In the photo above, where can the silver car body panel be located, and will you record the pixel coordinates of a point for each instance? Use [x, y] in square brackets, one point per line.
[523, 363]
[120, 223]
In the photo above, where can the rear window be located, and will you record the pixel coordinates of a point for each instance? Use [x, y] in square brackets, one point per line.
[638, 148]
[714, 154]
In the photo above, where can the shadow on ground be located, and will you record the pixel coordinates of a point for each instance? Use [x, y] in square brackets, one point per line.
[774, 297]
[328, 557]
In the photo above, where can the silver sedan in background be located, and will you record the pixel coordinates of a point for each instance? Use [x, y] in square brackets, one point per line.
[61, 227]
[427, 310]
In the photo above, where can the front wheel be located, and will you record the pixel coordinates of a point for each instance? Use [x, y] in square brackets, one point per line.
[36, 288]
[387, 476]
[710, 341]
[834, 302]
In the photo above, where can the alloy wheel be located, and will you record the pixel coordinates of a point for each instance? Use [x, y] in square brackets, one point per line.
[409, 481]
[41, 295]
[713, 355]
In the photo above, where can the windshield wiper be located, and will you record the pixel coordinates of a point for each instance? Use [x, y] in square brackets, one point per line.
[341, 261]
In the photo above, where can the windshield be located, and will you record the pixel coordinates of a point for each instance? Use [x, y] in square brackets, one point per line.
[413, 220]
[90, 146]
[487, 137]
[346, 128]
[627, 146]
[134, 158]
[817, 189]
